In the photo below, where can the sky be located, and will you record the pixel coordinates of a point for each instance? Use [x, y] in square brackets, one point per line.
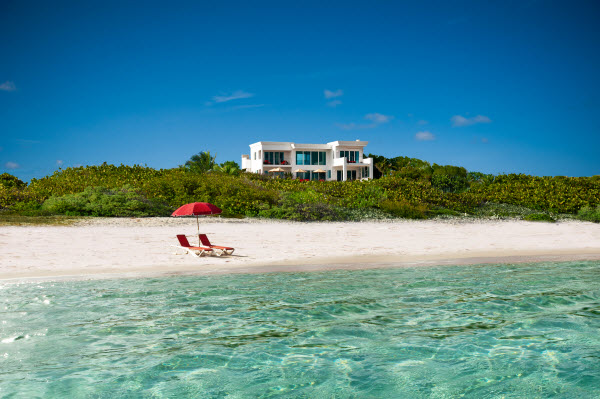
[496, 87]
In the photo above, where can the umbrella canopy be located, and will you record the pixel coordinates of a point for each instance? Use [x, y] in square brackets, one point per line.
[277, 170]
[195, 209]
[319, 171]
[299, 171]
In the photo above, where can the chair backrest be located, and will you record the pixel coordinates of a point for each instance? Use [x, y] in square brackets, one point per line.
[183, 241]
[204, 240]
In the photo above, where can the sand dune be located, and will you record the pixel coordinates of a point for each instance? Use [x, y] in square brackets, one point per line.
[97, 248]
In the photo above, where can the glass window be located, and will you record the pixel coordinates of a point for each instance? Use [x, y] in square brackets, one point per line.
[259, 154]
[306, 157]
[314, 158]
[299, 158]
[329, 174]
[322, 158]
[255, 155]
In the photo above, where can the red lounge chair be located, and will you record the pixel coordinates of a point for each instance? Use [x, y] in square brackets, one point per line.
[220, 250]
[196, 251]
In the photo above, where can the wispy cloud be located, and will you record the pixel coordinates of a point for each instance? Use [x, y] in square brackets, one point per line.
[334, 103]
[236, 95]
[248, 106]
[377, 119]
[333, 94]
[424, 136]
[12, 165]
[27, 141]
[8, 86]
[459, 120]
[60, 162]
[422, 122]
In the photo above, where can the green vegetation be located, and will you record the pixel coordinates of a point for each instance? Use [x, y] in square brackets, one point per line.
[406, 188]
[589, 214]
[539, 217]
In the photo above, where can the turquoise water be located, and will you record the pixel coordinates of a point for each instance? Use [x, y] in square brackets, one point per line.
[492, 331]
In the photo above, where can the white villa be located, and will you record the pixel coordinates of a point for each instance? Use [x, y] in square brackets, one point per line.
[338, 160]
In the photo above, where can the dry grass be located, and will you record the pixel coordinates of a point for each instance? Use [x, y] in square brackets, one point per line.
[17, 220]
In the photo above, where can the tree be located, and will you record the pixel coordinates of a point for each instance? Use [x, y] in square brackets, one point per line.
[201, 162]
[228, 167]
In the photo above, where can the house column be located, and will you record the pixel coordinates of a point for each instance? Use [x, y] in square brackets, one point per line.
[344, 174]
[371, 171]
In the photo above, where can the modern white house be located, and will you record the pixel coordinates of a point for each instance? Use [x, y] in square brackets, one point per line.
[338, 160]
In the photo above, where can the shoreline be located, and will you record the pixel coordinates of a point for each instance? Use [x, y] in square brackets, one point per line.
[317, 265]
[137, 248]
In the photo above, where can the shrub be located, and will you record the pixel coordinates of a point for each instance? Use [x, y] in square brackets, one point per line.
[589, 214]
[100, 201]
[303, 212]
[404, 209]
[539, 217]
[9, 181]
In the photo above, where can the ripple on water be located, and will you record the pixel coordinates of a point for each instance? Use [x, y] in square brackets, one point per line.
[436, 332]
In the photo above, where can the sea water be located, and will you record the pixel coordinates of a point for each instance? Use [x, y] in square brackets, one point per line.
[487, 331]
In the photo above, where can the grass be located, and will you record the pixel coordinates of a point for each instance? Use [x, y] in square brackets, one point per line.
[19, 220]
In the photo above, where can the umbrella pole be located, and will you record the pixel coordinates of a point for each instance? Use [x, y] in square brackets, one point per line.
[198, 224]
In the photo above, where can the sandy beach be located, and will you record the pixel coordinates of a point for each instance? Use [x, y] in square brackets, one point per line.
[101, 248]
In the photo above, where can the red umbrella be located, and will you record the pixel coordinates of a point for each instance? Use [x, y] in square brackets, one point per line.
[195, 209]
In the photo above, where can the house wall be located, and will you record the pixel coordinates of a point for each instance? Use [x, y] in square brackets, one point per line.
[254, 162]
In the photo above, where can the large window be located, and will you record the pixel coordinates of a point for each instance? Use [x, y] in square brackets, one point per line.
[273, 157]
[311, 158]
[351, 156]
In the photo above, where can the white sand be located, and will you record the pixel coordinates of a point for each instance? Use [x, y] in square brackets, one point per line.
[133, 247]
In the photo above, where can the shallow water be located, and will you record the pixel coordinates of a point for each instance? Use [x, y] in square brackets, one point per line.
[492, 331]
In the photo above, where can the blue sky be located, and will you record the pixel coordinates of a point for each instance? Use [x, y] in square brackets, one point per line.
[497, 87]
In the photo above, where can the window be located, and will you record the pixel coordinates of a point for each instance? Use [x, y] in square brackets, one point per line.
[258, 154]
[314, 158]
[273, 158]
[329, 174]
[311, 158]
[351, 156]
[255, 155]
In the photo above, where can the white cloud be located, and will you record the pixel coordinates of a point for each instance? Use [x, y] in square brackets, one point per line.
[11, 165]
[376, 119]
[334, 103]
[459, 120]
[379, 118]
[424, 136]
[333, 94]
[422, 122]
[8, 86]
[236, 95]
[60, 162]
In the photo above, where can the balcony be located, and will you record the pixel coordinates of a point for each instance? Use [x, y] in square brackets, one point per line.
[281, 163]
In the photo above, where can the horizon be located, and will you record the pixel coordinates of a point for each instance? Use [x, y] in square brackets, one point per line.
[505, 87]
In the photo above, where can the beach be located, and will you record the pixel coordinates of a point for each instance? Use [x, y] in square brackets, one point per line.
[134, 247]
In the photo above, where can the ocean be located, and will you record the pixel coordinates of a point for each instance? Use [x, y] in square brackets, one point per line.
[478, 331]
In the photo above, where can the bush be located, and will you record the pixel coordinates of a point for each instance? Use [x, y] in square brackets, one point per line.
[99, 201]
[303, 212]
[589, 214]
[539, 217]
[404, 209]
[9, 181]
